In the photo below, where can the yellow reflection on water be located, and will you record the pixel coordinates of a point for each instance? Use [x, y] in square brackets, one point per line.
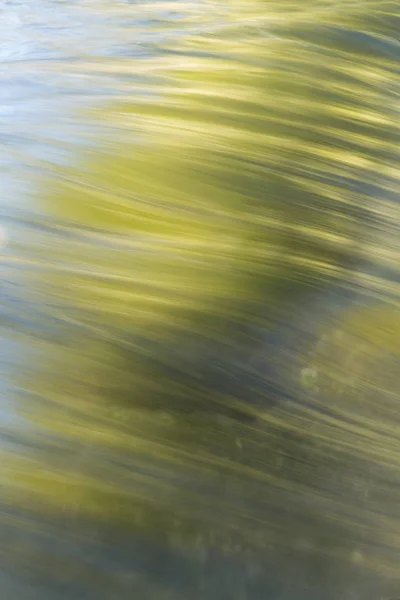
[223, 281]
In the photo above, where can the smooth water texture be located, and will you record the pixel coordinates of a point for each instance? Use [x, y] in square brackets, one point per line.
[200, 300]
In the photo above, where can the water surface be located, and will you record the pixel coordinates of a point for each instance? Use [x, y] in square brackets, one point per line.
[200, 300]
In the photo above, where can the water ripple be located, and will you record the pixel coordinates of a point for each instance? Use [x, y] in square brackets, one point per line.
[200, 302]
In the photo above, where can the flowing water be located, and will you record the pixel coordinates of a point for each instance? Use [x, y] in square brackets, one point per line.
[200, 299]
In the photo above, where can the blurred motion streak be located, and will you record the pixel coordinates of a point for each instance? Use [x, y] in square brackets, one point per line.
[201, 306]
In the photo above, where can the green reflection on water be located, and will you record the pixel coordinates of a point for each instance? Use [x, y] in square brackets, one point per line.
[202, 389]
